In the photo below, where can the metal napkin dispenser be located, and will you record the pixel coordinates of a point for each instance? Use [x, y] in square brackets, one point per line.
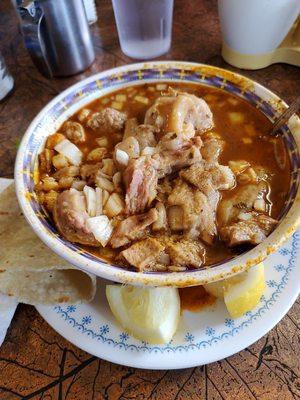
[56, 35]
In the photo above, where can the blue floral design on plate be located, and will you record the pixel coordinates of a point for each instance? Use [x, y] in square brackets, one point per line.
[71, 308]
[271, 283]
[279, 267]
[284, 251]
[104, 329]
[210, 331]
[124, 336]
[86, 320]
[229, 322]
[189, 337]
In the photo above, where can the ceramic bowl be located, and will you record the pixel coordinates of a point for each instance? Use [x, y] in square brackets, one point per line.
[74, 98]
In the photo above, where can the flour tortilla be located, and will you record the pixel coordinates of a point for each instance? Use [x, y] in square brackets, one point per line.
[31, 272]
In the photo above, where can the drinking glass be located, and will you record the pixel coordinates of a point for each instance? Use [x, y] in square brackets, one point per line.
[144, 27]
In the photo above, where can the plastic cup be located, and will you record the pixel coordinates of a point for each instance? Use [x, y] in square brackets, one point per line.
[144, 27]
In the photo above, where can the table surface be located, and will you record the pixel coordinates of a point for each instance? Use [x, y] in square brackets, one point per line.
[36, 362]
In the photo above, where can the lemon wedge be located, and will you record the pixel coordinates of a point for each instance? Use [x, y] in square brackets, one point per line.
[242, 292]
[149, 314]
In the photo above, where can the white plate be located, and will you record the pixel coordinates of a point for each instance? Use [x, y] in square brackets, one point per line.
[202, 338]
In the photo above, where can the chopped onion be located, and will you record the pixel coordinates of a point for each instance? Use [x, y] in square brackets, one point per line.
[141, 99]
[105, 196]
[247, 140]
[117, 105]
[121, 97]
[78, 185]
[259, 205]
[101, 228]
[104, 183]
[236, 117]
[70, 151]
[109, 167]
[90, 196]
[102, 141]
[161, 86]
[243, 216]
[114, 205]
[99, 205]
[122, 157]
[117, 179]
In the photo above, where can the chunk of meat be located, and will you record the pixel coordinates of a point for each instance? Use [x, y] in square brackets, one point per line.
[186, 253]
[161, 222]
[172, 141]
[89, 172]
[157, 115]
[130, 128]
[130, 145]
[252, 231]
[181, 113]
[176, 218]
[189, 114]
[209, 179]
[144, 134]
[133, 228]
[202, 179]
[144, 253]
[222, 177]
[70, 217]
[164, 188]
[140, 178]
[198, 216]
[74, 131]
[211, 150]
[173, 160]
[108, 120]
[242, 199]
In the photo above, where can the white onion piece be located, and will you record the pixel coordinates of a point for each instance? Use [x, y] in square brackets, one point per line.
[244, 216]
[70, 151]
[260, 205]
[101, 228]
[90, 196]
[122, 157]
[99, 206]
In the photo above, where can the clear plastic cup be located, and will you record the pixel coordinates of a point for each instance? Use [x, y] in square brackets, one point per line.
[144, 27]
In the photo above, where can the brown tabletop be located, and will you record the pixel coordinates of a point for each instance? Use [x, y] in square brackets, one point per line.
[36, 362]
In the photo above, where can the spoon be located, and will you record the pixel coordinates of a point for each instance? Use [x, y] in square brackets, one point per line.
[285, 116]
